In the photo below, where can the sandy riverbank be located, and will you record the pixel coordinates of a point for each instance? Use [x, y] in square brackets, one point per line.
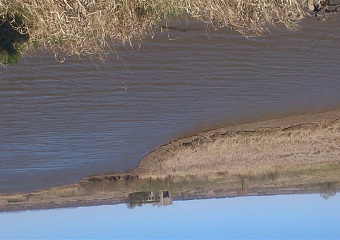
[298, 152]
[256, 147]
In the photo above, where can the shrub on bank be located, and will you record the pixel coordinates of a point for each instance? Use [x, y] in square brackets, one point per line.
[88, 27]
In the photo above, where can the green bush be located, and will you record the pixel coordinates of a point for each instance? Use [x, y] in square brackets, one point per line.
[11, 39]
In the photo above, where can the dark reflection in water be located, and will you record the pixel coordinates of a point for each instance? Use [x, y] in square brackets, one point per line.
[60, 123]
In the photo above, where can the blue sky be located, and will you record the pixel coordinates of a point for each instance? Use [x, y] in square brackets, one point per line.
[291, 216]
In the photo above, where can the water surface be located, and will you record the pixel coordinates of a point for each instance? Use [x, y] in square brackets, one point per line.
[62, 122]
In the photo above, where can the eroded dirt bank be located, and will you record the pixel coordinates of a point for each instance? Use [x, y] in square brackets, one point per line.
[286, 155]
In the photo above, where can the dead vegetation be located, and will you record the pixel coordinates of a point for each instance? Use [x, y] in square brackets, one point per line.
[317, 178]
[93, 27]
[256, 149]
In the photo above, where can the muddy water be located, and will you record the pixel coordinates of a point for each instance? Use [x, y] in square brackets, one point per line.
[62, 122]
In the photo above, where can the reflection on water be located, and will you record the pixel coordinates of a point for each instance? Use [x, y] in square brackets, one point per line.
[288, 216]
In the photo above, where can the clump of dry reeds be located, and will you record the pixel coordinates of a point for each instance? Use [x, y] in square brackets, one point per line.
[249, 17]
[94, 26]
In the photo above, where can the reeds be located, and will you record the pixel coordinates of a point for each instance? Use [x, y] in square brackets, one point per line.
[323, 178]
[93, 27]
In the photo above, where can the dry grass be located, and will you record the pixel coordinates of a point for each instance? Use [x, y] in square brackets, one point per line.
[319, 178]
[256, 150]
[95, 26]
[249, 17]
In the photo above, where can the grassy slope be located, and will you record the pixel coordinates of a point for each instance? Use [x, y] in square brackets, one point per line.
[259, 147]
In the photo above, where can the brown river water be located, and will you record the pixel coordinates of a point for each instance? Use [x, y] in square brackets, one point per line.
[62, 122]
